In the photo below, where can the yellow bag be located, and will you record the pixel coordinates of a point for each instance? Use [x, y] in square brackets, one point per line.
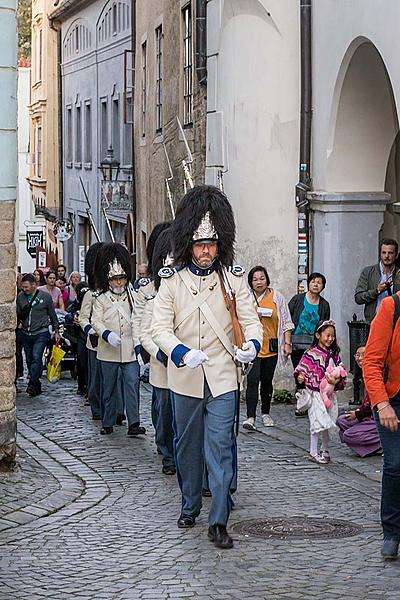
[54, 364]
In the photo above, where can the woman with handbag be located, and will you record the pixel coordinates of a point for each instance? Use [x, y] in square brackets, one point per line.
[274, 315]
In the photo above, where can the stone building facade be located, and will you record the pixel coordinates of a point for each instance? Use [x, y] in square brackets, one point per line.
[8, 182]
[95, 57]
[168, 84]
[44, 164]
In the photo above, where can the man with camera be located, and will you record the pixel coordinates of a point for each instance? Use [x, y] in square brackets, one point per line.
[35, 312]
[376, 282]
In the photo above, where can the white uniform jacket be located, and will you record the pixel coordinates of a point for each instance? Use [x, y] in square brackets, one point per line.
[158, 371]
[145, 292]
[85, 315]
[190, 312]
[113, 313]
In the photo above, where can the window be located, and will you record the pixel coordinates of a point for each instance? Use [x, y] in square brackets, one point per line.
[114, 19]
[68, 153]
[38, 151]
[104, 130]
[88, 134]
[40, 57]
[187, 66]
[159, 76]
[78, 135]
[116, 130]
[144, 88]
[128, 133]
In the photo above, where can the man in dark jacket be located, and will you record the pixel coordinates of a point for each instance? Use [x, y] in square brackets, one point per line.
[35, 312]
[376, 282]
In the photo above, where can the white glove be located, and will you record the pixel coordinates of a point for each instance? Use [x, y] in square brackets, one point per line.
[140, 360]
[114, 340]
[91, 331]
[194, 358]
[246, 354]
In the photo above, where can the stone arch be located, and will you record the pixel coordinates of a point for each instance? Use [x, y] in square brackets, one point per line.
[114, 21]
[77, 40]
[363, 123]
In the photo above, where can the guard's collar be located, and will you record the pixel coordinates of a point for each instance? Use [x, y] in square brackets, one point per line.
[200, 272]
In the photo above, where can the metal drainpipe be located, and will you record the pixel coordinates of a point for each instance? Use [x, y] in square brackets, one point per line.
[134, 211]
[201, 41]
[304, 183]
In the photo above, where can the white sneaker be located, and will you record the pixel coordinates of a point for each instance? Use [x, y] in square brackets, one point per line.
[267, 421]
[318, 458]
[249, 424]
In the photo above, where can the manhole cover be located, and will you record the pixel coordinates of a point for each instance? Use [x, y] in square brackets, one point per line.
[297, 527]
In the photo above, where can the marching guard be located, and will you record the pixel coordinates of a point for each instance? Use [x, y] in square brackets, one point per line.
[162, 256]
[194, 328]
[112, 321]
[85, 316]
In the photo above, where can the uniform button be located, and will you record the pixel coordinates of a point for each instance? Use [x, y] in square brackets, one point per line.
[202, 337]
[204, 278]
[203, 322]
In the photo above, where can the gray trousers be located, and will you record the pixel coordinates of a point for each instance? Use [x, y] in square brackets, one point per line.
[127, 374]
[94, 383]
[163, 426]
[205, 425]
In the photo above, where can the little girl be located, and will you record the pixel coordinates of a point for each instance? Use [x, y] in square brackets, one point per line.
[309, 373]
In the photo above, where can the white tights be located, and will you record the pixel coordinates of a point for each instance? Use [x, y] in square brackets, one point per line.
[314, 442]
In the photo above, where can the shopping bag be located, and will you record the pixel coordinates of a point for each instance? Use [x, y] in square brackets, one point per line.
[54, 364]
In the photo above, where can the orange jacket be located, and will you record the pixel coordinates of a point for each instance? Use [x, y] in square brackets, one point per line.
[383, 349]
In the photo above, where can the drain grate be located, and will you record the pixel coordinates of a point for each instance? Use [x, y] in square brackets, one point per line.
[297, 527]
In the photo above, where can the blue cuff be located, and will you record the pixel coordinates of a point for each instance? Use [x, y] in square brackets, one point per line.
[178, 353]
[87, 328]
[138, 349]
[257, 345]
[105, 335]
[69, 318]
[162, 357]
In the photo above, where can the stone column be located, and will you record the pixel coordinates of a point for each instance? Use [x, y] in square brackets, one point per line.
[8, 181]
[345, 239]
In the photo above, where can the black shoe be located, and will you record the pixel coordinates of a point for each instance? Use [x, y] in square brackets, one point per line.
[106, 430]
[135, 430]
[159, 451]
[120, 419]
[186, 521]
[169, 470]
[206, 493]
[301, 413]
[390, 549]
[219, 536]
[33, 391]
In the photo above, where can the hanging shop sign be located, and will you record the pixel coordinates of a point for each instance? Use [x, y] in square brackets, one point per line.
[63, 230]
[117, 195]
[33, 240]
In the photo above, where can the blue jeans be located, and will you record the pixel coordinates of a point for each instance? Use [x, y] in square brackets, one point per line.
[205, 425]
[124, 377]
[390, 501]
[34, 346]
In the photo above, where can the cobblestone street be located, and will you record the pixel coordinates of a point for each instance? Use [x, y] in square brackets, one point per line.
[91, 517]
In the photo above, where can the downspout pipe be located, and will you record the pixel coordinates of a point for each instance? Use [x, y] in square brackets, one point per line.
[304, 183]
[201, 41]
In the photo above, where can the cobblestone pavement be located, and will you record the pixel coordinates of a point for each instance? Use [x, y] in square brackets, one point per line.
[94, 518]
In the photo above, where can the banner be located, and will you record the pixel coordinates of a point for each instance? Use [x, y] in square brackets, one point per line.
[117, 195]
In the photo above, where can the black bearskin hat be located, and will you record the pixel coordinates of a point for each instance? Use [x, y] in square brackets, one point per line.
[90, 259]
[191, 210]
[106, 256]
[151, 242]
[162, 248]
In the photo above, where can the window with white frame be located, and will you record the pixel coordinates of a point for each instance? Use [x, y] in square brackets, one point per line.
[187, 65]
[128, 129]
[68, 136]
[38, 151]
[159, 78]
[88, 133]
[104, 129]
[78, 134]
[144, 89]
[116, 129]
